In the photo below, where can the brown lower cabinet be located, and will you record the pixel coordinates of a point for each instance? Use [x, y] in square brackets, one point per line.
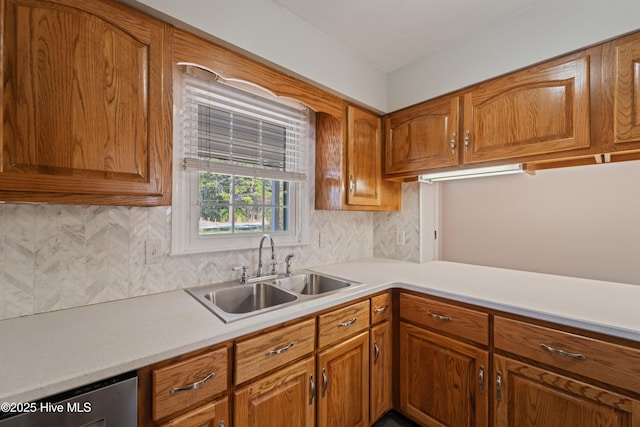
[343, 371]
[442, 380]
[288, 394]
[455, 365]
[530, 396]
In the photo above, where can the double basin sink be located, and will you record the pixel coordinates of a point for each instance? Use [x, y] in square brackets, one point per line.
[234, 302]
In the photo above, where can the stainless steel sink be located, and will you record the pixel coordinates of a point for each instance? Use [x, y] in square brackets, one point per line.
[239, 301]
[312, 284]
[232, 301]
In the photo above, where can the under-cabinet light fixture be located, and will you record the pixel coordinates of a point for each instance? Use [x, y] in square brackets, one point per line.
[471, 173]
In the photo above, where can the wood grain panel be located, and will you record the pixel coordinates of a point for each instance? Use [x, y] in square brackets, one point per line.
[627, 92]
[284, 398]
[381, 360]
[215, 414]
[86, 104]
[185, 373]
[448, 318]
[530, 396]
[421, 138]
[344, 400]
[607, 362]
[539, 110]
[330, 163]
[364, 157]
[253, 355]
[380, 308]
[439, 379]
[342, 323]
[190, 48]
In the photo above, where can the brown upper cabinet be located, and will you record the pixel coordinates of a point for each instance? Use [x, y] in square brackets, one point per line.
[536, 111]
[625, 60]
[349, 170]
[86, 104]
[422, 137]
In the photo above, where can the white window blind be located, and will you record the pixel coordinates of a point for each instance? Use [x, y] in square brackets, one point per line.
[239, 132]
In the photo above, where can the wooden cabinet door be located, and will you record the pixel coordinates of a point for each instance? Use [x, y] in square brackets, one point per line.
[543, 109]
[287, 395]
[443, 382]
[364, 157]
[627, 93]
[422, 137]
[86, 104]
[381, 384]
[343, 392]
[526, 396]
[214, 414]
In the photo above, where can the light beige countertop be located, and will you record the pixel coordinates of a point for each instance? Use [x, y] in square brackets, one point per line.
[48, 353]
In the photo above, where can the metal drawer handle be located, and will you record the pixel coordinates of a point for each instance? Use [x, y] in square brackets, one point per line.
[313, 389]
[193, 386]
[381, 309]
[440, 317]
[562, 352]
[279, 350]
[349, 323]
[376, 352]
[481, 379]
[466, 140]
[499, 386]
[325, 382]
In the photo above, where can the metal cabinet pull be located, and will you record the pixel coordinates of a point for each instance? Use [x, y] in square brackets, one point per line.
[376, 352]
[352, 184]
[381, 309]
[279, 350]
[440, 317]
[466, 140]
[313, 389]
[349, 323]
[325, 382]
[481, 379]
[550, 349]
[453, 143]
[221, 424]
[499, 386]
[193, 386]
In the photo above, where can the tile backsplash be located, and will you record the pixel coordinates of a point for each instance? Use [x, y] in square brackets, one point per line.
[54, 257]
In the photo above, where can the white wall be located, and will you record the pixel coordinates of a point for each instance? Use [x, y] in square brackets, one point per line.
[547, 30]
[582, 222]
[274, 34]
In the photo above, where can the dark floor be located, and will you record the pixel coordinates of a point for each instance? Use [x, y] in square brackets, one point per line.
[394, 419]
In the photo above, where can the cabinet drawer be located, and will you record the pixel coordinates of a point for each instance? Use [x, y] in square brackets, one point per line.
[213, 414]
[341, 323]
[380, 308]
[258, 355]
[611, 363]
[190, 382]
[449, 318]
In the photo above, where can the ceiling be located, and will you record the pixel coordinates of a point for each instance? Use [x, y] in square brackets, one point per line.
[393, 33]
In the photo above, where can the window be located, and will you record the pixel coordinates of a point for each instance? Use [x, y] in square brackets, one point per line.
[241, 165]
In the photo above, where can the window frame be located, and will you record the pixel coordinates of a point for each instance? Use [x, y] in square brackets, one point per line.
[185, 212]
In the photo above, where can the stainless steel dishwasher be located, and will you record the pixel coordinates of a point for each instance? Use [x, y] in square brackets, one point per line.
[108, 403]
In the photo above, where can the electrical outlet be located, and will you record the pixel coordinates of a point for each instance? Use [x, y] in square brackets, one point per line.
[153, 251]
[399, 238]
[321, 240]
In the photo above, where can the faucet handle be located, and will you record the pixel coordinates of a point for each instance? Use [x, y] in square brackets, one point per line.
[287, 262]
[244, 277]
[274, 267]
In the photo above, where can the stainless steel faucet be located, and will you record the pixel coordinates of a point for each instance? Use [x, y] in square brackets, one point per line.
[273, 256]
